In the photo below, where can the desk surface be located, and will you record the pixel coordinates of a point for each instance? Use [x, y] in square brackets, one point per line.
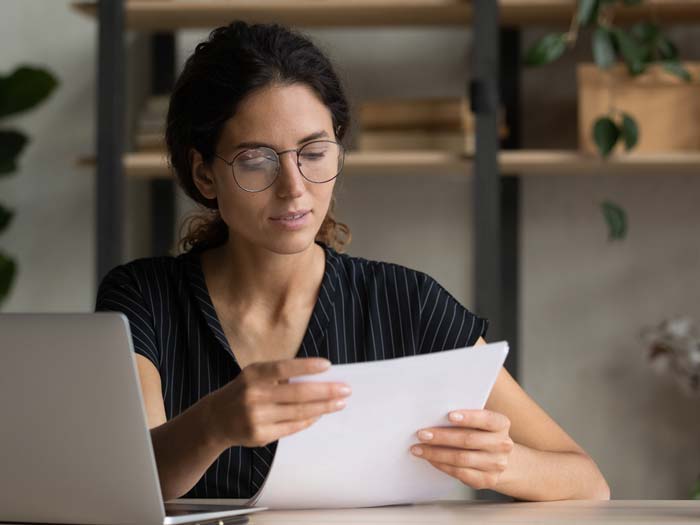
[467, 512]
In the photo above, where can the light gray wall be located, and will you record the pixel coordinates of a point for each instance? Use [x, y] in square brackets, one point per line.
[584, 299]
[52, 233]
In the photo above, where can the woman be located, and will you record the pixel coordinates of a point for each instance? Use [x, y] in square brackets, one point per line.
[264, 293]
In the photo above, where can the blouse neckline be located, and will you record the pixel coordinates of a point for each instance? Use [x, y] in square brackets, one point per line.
[318, 322]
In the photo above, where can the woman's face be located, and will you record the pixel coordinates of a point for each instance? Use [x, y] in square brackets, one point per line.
[282, 118]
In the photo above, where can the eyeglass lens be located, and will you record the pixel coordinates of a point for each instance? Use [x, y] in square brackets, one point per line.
[256, 169]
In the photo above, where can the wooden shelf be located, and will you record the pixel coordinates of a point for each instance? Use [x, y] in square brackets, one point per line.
[180, 14]
[572, 162]
[515, 162]
[154, 165]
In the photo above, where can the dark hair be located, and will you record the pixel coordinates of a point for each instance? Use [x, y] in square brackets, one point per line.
[234, 61]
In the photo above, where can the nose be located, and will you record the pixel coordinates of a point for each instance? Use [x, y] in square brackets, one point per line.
[290, 182]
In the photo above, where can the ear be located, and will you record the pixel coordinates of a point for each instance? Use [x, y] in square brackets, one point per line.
[202, 175]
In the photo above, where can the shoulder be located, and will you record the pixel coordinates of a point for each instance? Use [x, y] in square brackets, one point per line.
[403, 281]
[364, 273]
[146, 275]
[387, 290]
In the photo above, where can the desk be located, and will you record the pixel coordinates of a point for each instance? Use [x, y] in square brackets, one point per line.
[469, 512]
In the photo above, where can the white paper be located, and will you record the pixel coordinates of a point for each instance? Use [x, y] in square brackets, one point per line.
[359, 456]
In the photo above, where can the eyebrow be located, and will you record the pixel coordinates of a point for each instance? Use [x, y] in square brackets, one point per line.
[315, 135]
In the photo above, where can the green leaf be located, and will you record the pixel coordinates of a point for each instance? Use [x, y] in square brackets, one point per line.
[630, 131]
[5, 217]
[605, 135]
[546, 50]
[674, 67]
[8, 269]
[632, 52]
[11, 145]
[24, 88]
[616, 220]
[645, 32]
[603, 48]
[667, 49]
[587, 12]
[695, 493]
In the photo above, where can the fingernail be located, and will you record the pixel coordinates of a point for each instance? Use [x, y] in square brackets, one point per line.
[344, 390]
[456, 416]
[425, 435]
[339, 404]
[417, 451]
[322, 364]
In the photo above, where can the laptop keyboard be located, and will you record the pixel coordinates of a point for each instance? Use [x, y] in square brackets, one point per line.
[184, 509]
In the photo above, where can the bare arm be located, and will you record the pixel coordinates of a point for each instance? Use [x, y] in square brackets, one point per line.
[183, 446]
[514, 447]
[545, 463]
[256, 408]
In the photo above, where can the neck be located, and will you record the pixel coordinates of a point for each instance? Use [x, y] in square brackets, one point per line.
[254, 280]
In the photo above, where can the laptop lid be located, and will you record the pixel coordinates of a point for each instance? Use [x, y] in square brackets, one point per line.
[74, 437]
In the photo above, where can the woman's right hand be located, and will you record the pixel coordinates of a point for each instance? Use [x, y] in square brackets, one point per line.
[260, 405]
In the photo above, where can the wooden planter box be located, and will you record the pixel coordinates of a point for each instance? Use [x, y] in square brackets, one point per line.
[666, 108]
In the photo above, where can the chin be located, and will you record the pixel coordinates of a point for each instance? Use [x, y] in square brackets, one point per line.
[295, 242]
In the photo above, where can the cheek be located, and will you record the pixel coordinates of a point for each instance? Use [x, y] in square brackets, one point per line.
[321, 209]
[225, 189]
[238, 207]
[323, 197]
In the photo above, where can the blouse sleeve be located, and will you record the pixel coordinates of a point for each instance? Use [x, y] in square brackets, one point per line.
[444, 323]
[119, 292]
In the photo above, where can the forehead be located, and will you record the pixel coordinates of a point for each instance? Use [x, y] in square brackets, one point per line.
[279, 116]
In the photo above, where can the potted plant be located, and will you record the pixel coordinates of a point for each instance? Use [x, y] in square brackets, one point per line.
[21, 90]
[642, 49]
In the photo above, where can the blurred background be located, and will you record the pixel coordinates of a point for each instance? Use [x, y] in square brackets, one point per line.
[585, 295]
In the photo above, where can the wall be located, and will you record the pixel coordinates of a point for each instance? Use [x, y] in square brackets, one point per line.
[52, 233]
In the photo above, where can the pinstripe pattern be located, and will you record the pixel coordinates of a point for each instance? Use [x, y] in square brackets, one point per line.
[366, 310]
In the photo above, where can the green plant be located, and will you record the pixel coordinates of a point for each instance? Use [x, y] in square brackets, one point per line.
[21, 90]
[638, 47]
[616, 219]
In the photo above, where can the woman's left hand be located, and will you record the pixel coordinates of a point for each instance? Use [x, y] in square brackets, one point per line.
[475, 451]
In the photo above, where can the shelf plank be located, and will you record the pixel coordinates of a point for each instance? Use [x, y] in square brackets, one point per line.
[154, 165]
[181, 14]
[573, 162]
[560, 12]
[512, 163]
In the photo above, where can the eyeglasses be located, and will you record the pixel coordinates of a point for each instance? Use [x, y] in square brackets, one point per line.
[257, 169]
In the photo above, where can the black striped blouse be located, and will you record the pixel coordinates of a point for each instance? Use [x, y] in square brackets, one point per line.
[366, 310]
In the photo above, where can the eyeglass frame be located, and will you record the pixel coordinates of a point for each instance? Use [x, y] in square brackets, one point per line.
[279, 163]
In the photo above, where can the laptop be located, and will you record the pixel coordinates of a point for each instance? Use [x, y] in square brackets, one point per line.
[74, 437]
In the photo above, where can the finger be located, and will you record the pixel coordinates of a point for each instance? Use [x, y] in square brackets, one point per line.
[476, 459]
[305, 392]
[277, 413]
[292, 427]
[464, 438]
[482, 419]
[286, 368]
[477, 479]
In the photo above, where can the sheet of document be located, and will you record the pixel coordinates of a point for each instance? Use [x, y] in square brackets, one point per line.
[359, 456]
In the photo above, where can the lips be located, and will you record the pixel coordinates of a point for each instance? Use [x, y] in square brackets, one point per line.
[291, 215]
